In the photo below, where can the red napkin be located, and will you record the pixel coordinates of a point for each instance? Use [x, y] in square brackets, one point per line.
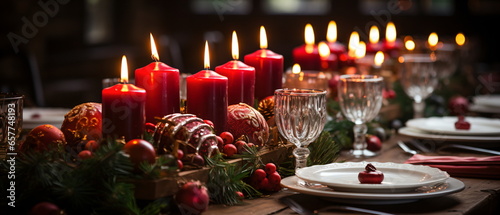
[471, 167]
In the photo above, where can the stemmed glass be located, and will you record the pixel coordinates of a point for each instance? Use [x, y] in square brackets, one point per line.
[360, 99]
[300, 117]
[419, 78]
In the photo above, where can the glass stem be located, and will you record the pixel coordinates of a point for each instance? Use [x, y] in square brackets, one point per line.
[418, 108]
[301, 154]
[359, 137]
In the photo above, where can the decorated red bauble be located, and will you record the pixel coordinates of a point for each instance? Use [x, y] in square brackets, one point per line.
[192, 198]
[192, 134]
[82, 123]
[140, 151]
[243, 119]
[43, 137]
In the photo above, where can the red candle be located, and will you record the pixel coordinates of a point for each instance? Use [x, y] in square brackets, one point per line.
[329, 61]
[307, 55]
[123, 109]
[391, 45]
[207, 95]
[240, 77]
[161, 83]
[374, 45]
[336, 48]
[268, 68]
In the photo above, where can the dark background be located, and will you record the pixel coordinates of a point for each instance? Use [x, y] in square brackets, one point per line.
[60, 65]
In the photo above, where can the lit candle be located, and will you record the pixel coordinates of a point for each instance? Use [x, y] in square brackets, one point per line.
[374, 45]
[240, 77]
[307, 55]
[268, 68]
[207, 95]
[392, 45]
[432, 41]
[329, 61]
[305, 79]
[363, 62]
[336, 48]
[161, 83]
[347, 62]
[409, 44]
[123, 108]
[460, 39]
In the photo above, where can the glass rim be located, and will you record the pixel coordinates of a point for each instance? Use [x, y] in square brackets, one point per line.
[358, 77]
[299, 91]
[10, 96]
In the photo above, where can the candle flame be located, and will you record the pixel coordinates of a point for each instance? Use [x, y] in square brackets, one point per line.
[323, 49]
[206, 63]
[379, 58]
[374, 34]
[331, 32]
[460, 39]
[154, 52]
[390, 32]
[353, 43]
[234, 47]
[360, 50]
[433, 39]
[124, 71]
[263, 38]
[409, 43]
[309, 34]
[296, 68]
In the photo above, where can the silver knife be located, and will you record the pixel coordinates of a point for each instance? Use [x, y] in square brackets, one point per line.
[406, 148]
[471, 148]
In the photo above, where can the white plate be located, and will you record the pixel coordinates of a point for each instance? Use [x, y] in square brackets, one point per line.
[33, 117]
[397, 177]
[416, 133]
[451, 185]
[487, 100]
[446, 125]
[483, 108]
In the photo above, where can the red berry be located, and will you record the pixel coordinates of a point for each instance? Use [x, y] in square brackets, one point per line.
[264, 184]
[220, 142]
[198, 160]
[227, 137]
[150, 127]
[91, 145]
[180, 154]
[250, 145]
[240, 146]
[230, 150]
[84, 154]
[270, 168]
[209, 122]
[180, 164]
[274, 178]
[240, 194]
[259, 174]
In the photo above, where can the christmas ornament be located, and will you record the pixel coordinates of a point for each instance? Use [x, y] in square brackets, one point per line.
[243, 119]
[192, 198]
[42, 138]
[186, 132]
[140, 151]
[266, 107]
[45, 208]
[82, 123]
[458, 105]
[371, 175]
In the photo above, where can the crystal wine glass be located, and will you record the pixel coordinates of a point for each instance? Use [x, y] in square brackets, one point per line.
[419, 78]
[300, 118]
[360, 99]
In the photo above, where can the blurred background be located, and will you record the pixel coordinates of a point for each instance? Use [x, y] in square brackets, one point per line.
[56, 52]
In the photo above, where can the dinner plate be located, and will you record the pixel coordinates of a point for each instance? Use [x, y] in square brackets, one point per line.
[487, 100]
[483, 108]
[33, 117]
[397, 177]
[419, 134]
[446, 125]
[450, 186]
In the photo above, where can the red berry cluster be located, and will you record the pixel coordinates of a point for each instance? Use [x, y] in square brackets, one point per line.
[229, 146]
[267, 179]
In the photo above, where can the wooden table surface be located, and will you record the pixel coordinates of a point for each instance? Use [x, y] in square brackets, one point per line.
[480, 196]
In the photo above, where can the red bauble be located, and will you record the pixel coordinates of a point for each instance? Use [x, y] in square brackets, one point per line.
[140, 151]
[242, 119]
[82, 123]
[373, 143]
[43, 137]
[458, 105]
[194, 135]
[192, 198]
[371, 175]
[45, 208]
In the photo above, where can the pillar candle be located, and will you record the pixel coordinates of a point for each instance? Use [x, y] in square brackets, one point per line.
[240, 77]
[391, 45]
[123, 109]
[207, 95]
[374, 44]
[161, 83]
[307, 55]
[268, 68]
[336, 47]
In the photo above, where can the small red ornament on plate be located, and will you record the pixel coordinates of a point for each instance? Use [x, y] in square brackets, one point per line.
[371, 175]
[461, 124]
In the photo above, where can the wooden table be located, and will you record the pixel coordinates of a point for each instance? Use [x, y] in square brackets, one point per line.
[480, 196]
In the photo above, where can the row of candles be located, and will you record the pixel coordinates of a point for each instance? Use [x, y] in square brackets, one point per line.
[156, 93]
